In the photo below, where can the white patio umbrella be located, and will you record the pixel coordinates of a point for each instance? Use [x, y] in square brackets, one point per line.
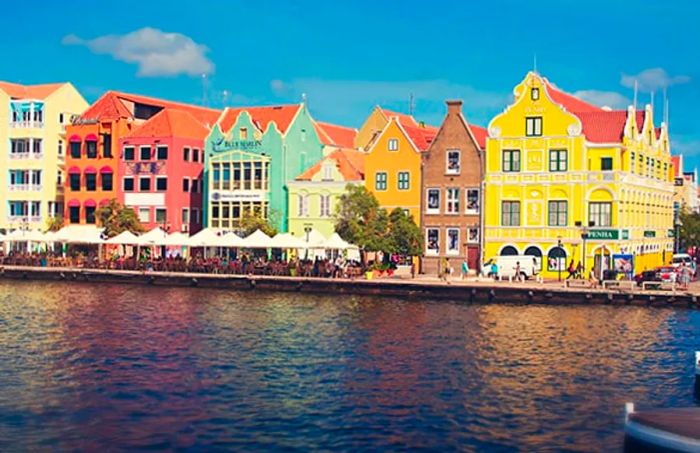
[335, 242]
[314, 239]
[257, 240]
[25, 236]
[176, 239]
[287, 241]
[80, 234]
[154, 237]
[232, 240]
[124, 238]
[208, 237]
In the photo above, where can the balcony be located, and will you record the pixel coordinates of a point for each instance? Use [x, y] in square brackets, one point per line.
[23, 219]
[24, 187]
[26, 124]
[20, 156]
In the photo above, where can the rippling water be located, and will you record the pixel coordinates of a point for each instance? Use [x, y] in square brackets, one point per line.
[93, 367]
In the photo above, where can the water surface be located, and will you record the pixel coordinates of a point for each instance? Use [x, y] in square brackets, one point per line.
[97, 367]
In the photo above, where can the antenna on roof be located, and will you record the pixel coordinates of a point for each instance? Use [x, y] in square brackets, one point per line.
[666, 107]
[534, 63]
[411, 104]
[636, 88]
[652, 100]
[204, 90]
[225, 96]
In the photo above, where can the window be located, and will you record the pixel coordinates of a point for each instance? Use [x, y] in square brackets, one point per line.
[106, 145]
[145, 153]
[303, 135]
[186, 154]
[74, 181]
[37, 146]
[432, 241]
[558, 213]
[453, 162]
[36, 177]
[128, 153]
[325, 206]
[473, 234]
[106, 181]
[161, 215]
[452, 201]
[511, 160]
[472, 201]
[128, 184]
[90, 214]
[393, 144]
[185, 185]
[144, 215]
[600, 214]
[75, 150]
[195, 215]
[533, 126]
[535, 94]
[59, 177]
[60, 148]
[144, 184]
[404, 180]
[161, 183]
[195, 155]
[194, 186]
[556, 259]
[74, 214]
[380, 181]
[558, 160]
[243, 133]
[606, 163]
[91, 149]
[510, 213]
[453, 241]
[161, 152]
[216, 172]
[433, 205]
[90, 182]
[303, 205]
[328, 171]
[60, 118]
[185, 216]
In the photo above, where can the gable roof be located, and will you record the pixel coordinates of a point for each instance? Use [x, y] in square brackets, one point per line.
[262, 116]
[114, 105]
[677, 162]
[18, 91]
[334, 135]
[570, 102]
[405, 119]
[421, 136]
[350, 164]
[171, 122]
[480, 134]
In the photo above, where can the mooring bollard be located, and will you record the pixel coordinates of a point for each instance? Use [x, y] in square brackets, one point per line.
[629, 409]
[194, 282]
[697, 364]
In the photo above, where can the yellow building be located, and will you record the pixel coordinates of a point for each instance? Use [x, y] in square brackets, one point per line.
[393, 165]
[563, 176]
[32, 125]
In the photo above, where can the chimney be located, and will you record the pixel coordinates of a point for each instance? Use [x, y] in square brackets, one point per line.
[454, 107]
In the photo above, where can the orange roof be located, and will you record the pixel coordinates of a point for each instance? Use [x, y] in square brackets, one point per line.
[334, 135]
[114, 104]
[171, 122]
[570, 102]
[282, 115]
[350, 164]
[407, 120]
[677, 162]
[17, 91]
[421, 136]
[480, 134]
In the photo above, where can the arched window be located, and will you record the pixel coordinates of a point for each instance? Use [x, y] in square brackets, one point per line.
[536, 253]
[556, 259]
[509, 251]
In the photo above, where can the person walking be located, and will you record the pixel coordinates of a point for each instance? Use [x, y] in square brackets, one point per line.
[494, 270]
[465, 269]
[518, 272]
[579, 270]
[572, 270]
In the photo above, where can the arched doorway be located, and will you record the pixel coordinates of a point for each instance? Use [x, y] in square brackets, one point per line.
[556, 259]
[602, 260]
[509, 250]
[536, 253]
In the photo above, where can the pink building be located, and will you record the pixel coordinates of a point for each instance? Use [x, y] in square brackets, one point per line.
[160, 168]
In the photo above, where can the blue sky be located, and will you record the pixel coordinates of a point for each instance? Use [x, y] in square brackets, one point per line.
[348, 56]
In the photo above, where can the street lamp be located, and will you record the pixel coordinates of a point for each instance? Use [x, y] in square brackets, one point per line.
[677, 234]
[307, 230]
[559, 257]
[584, 236]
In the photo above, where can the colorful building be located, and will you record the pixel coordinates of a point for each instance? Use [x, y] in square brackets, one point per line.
[393, 164]
[313, 195]
[375, 124]
[161, 170]
[685, 187]
[93, 150]
[452, 197]
[569, 181]
[251, 155]
[32, 121]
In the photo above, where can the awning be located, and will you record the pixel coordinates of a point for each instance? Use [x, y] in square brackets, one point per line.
[74, 171]
[90, 170]
[106, 170]
[91, 138]
[104, 202]
[73, 203]
[89, 203]
[74, 139]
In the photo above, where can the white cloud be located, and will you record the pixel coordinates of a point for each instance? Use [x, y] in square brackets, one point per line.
[156, 53]
[343, 99]
[686, 145]
[610, 99]
[653, 79]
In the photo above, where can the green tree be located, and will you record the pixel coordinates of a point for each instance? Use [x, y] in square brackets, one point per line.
[689, 229]
[117, 218]
[360, 220]
[251, 221]
[405, 237]
[54, 223]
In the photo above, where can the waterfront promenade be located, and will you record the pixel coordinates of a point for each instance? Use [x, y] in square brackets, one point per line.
[470, 290]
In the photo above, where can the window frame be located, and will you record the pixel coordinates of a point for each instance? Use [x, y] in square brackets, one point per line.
[558, 213]
[448, 250]
[131, 150]
[555, 160]
[454, 171]
[150, 153]
[133, 186]
[141, 180]
[593, 217]
[452, 203]
[511, 153]
[384, 181]
[392, 144]
[466, 200]
[432, 251]
[161, 179]
[160, 148]
[533, 126]
[509, 214]
[428, 209]
[403, 178]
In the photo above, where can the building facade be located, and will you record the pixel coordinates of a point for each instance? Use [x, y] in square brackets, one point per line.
[375, 124]
[94, 153]
[33, 119]
[314, 195]
[251, 154]
[161, 171]
[566, 181]
[393, 165]
[685, 187]
[452, 192]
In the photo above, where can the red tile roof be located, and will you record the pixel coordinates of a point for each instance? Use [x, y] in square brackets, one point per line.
[107, 107]
[17, 91]
[480, 134]
[334, 135]
[171, 122]
[282, 115]
[408, 120]
[677, 162]
[570, 102]
[421, 136]
[350, 163]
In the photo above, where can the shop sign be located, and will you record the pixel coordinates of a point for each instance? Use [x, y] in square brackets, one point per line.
[611, 235]
[650, 234]
[625, 234]
[242, 145]
[223, 195]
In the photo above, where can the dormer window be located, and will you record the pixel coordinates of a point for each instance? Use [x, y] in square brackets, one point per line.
[243, 133]
[393, 144]
[535, 94]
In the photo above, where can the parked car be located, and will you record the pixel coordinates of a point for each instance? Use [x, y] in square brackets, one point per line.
[683, 258]
[507, 264]
[647, 276]
[667, 274]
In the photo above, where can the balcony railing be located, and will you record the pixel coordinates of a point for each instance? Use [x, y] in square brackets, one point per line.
[26, 124]
[23, 218]
[26, 155]
[24, 187]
